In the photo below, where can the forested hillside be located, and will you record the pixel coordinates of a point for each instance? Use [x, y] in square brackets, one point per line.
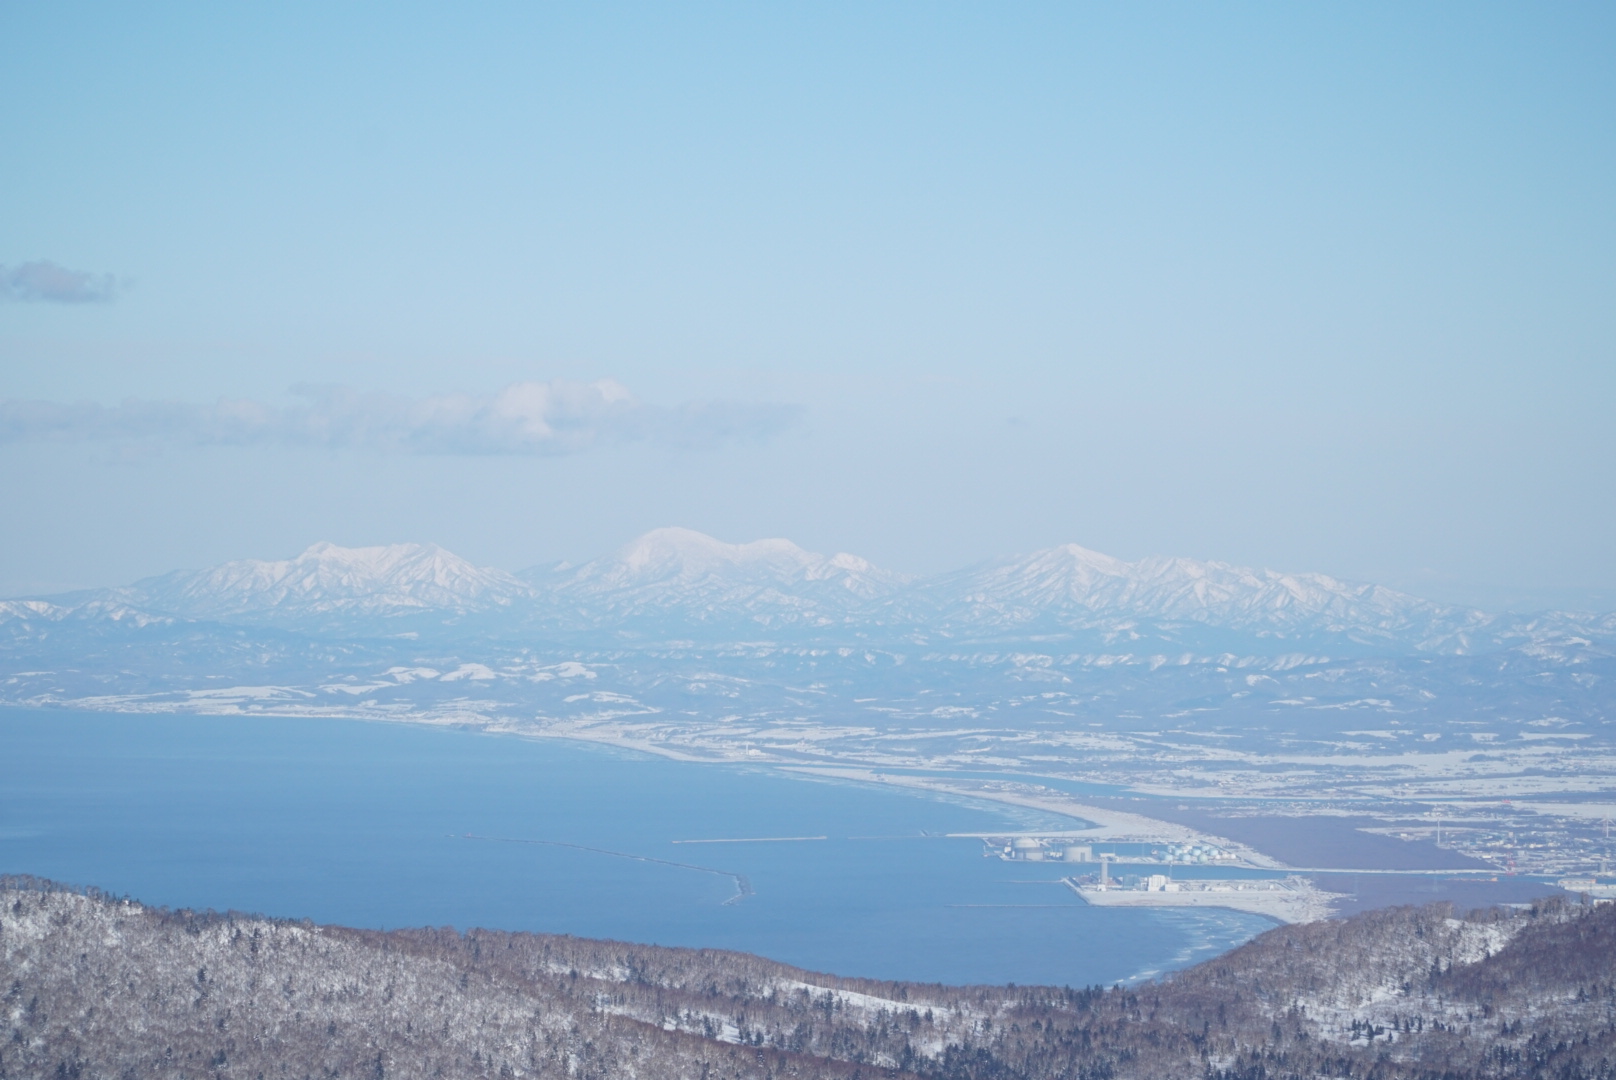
[92, 986]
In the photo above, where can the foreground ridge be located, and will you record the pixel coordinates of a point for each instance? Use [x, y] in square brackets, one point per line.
[94, 986]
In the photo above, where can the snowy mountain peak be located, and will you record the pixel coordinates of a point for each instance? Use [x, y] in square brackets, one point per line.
[672, 568]
[851, 563]
[1065, 570]
[1073, 587]
[328, 579]
[686, 553]
[687, 585]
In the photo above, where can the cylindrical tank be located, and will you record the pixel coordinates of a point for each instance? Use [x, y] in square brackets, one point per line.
[1024, 843]
[1079, 853]
[1034, 856]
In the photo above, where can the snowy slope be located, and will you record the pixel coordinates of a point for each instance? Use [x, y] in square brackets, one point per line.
[681, 584]
[686, 573]
[329, 580]
[26, 616]
[1072, 587]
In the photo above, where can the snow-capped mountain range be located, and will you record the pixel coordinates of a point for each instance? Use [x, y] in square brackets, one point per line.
[1070, 587]
[328, 580]
[687, 574]
[680, 583]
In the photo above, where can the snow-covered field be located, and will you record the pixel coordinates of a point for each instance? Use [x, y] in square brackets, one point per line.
[1170, 677]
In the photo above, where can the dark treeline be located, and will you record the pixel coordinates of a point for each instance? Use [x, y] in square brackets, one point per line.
[93, 986]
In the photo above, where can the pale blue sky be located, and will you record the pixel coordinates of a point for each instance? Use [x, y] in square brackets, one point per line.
[1309, 286]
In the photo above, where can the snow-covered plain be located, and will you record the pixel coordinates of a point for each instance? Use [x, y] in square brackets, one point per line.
[1170, 676]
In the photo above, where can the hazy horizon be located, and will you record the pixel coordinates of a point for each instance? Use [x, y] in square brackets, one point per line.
[1306, 289]
[1540, 600]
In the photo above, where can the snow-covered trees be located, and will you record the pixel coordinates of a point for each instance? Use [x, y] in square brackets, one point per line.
[92, 986]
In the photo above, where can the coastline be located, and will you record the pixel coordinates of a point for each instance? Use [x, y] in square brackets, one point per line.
[1105, 823]
[1098, 823]
[1092, 822]
[373, 834]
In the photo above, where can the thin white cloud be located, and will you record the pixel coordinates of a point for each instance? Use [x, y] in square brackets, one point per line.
[44, 281]
[543, 418]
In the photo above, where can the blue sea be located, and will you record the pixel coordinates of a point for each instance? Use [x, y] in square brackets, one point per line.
[391, 825]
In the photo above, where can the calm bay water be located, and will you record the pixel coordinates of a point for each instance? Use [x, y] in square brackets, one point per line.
[367, 825]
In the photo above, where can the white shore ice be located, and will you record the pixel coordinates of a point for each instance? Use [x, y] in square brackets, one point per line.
[1293, 900]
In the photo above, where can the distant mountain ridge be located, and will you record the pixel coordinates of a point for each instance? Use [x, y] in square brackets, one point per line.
[326, 580]
[679, 582]
[682, 572]
[1069, 587]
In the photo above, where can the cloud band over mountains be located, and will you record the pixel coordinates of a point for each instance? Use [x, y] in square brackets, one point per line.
[526, 418]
